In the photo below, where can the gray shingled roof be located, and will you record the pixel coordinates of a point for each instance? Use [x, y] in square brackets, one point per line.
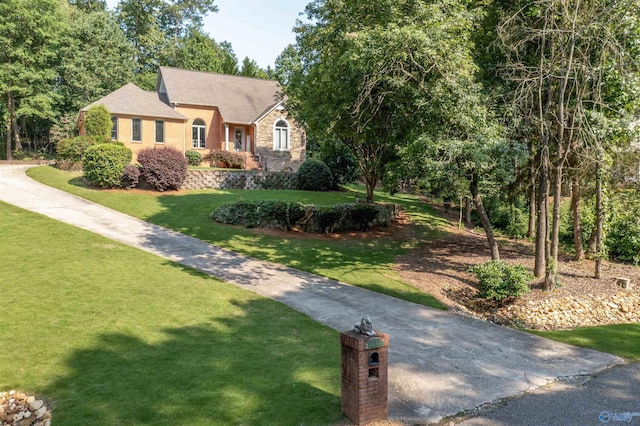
[132, 100]
[239, 99]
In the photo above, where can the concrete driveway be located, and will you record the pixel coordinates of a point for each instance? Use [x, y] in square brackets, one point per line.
[440, 363]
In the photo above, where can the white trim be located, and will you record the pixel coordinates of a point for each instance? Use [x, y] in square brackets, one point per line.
[269, 111]
[226, 136]
[288, 135]
[200, 126]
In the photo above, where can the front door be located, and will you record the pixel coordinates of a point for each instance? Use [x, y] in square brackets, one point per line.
[238, 138]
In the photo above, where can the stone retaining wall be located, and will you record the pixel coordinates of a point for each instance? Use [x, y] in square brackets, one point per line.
[238, 179]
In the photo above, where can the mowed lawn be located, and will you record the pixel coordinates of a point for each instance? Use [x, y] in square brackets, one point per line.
[365, 262]
[111, 335]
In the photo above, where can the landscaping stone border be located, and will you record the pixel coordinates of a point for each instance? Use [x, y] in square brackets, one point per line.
[19, 408]
[238, 179]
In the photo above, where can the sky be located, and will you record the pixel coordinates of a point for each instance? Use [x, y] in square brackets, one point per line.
[259, 29]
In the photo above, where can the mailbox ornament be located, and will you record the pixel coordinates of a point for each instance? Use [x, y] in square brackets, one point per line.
[365, 327]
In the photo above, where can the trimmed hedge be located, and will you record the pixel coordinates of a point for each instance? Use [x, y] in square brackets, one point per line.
[104, 164]
[314, 175]
[265, 213]
[286, 215]
[163, 168]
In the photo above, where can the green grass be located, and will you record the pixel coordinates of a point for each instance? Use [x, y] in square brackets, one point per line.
[362, 262]
[109, 334]
[619, 339]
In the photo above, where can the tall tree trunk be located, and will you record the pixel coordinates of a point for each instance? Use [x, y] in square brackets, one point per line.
[467, 210]
[599, 218]
[12, 127]
[551, 276]
[577, 221]
[542, 215]
[484, 218]
[592, 247]
[531, 192]
[8, 139]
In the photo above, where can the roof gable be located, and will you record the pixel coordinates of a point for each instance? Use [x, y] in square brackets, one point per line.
[239, 99]
[132, 100]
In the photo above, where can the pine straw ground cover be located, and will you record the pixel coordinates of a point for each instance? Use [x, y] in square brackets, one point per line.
[440, 267]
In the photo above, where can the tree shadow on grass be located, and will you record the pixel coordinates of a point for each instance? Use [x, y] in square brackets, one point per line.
[244, 369]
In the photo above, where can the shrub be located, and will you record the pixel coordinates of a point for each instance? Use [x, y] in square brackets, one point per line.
[163, 168]
[499, 281]
[194, 157]
[265, 213]
[130, 176]
[314, 175]
[97, 123]
[341, 162]
[104, 164]
[623, 233]
[231, 160]
[73, 149]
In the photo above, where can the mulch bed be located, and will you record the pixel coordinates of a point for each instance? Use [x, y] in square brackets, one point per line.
[440, 268]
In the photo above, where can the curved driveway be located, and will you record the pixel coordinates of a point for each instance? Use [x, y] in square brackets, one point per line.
[440, 363]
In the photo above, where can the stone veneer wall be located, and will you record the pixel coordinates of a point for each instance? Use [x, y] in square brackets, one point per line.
[280, 160]
[238, 179]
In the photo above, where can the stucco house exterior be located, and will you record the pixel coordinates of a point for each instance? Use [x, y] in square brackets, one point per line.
[202, 111]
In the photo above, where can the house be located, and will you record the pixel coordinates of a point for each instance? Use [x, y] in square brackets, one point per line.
[202, 111]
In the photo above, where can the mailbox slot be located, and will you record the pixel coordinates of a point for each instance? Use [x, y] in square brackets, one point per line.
[374, 358]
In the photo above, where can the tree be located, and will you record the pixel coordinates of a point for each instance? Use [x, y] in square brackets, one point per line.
[250, 68]
[230, 63]
[197, 51]
[96, 59]
[89, 5]
[561, 55]
[156, 28]
[375, 75]
[29, 39]
[179, 16]
[97, 123]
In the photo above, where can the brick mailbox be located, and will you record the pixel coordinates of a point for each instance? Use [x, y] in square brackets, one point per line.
[364, 376]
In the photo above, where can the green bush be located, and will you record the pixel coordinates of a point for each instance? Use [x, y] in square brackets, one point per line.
[73, 149]
[264, 213]
[231, 160]
[163, 168]
[104, 164]
[314, 175]
[623, 231]
[194, 157]
[498, 281]
[285, 215]
[97, 124]
[341, 162]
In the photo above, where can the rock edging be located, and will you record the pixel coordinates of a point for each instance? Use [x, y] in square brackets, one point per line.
[20, 409]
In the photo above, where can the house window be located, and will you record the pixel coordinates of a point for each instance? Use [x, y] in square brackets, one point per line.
[136, 130]
[159, 131]
[198, 131]
[114, 128]
[281, 135]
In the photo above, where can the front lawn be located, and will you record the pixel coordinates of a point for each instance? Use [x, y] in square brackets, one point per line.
[365, 262]
[618, 339]
[109, 334]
